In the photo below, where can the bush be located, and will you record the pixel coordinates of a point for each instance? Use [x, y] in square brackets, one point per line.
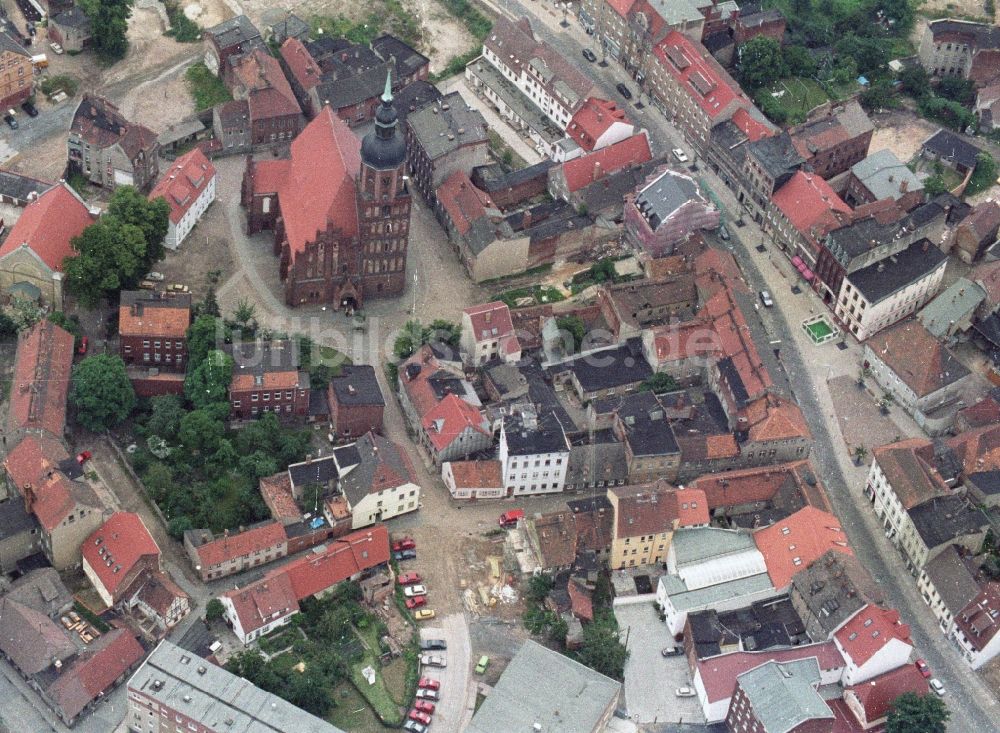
[182, 28]
[984, 176]
[945, 111]
[205, 87]
[456, 65]
[59, 82]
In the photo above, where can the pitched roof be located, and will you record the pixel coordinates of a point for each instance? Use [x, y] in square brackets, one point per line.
[555, 536]
[953, 305]
[449, 419]
[490, 320]
[987, 275]
[339, 560]
[825, 132]
[593, 119]
[879, 693]
[586, 169]
[159, 593]
[983, 221]
[464, 203]
[228, 547]
[382, 464]
[300, 63]
[152, 313]
[184, 182]
[115, 547]
[48, 224]
[40, 384]
[810, 205]
[699, 75]
[30, 639]
[477, 474]
[869, 630]
[261, 602]
[763, 484]
[277, 493]
[755, 129]
[980, 620]
[99, 123]
[783, 695]
[656, 508]
[264, 365]
[97, 669]
[946, 144]
[232, 32]
[447, 125]
[773, 418]
[953, 579]
[920, 361]
[33, 466]
[266, 88]
[594, 522]
[886, 176]
[793, 543]
[978, 449]
[833, 588]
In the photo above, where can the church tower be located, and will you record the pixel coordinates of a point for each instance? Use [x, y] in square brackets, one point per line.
[383, 204]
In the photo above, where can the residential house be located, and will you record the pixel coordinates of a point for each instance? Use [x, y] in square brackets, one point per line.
[534, 452]
[453, 429]
[597, 465]
[754, 160]
[543, 687]
[205, 695]
[570, 180]
[377, 478]
[667, 209]
[951, 47]
[874, 641]
[769, 624]
[424, 381]
[41, 590]
[834, 140]
[189, 188]
[921, 374]
[152, 331]
[977, 232]
[645, 518]
[488, 334]
[597, 124]
[803, 211]
[108, 150]
[977, 624]
[229, 38]
[291, 26]
[872, 701]
[275, 115]
[948, 583]
[754, 21]
[474, 226]
[32, 255]
[215, 556]
[509, 189]
[551, 543]
[881, 176]
[267, 378]
[16, 192]
[410, 66]
[443, 138]
[952, 151]
[830, 590]
[356, 401]
[70, 29]
[938, 523]
[987, 109]
[40, 384]
[797, 541]
[118, 555]
[18, 78]
[630, 307]
[231, 127]
[20, 532]
[474, 479]
[623, 368]
[651, 450]
[951, 313]
[780, 697]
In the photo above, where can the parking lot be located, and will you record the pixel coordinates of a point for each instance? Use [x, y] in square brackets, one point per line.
[455, 677]
[651, 680]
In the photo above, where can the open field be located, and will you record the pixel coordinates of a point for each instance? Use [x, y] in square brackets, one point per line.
[798, 97]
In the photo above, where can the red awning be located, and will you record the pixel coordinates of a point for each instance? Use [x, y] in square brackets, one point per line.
[797, 261]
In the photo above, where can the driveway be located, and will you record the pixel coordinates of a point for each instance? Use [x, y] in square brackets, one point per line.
[650, 678]
[451, 711]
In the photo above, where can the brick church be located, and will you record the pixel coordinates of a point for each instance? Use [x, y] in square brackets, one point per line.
[339, 209]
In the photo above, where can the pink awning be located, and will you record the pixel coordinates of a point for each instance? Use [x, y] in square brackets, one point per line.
[797, 261]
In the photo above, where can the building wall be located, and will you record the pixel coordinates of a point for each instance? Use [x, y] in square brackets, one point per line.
[892, 655]
[864, 319]
[16, 79]
[16, 547]
[22, 265]
[152, 350]
[690, 217]
[473, 493]
[248, 404]
[275, 129]
[945, 619]
[279, 619]
[62, 544]
[70, 38]
[236, 564]
[527, 475]
[179, 231]
[233, 138]
[428, 173]
[354, 420]
[947, 58]
[976, 658]
[466, 443]
[640, 549]
[385, 505]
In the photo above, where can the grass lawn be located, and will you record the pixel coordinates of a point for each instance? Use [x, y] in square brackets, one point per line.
[352, 712]
[800, 96]
[819, 330]
[539, 294]
[377, 695]
[206, 88]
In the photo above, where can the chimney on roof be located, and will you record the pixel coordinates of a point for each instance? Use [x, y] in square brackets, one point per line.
[904, 186]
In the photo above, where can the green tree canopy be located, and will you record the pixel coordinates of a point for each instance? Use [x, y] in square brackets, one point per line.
[575, 327]
[799, 61]
[208, 382]
[101, 393]
[204, 335]
[214, 610]
[110, 257]
[165, 417]
[915, 81]
[129, 206]
[984, 176]
[761, 63]
[913, 713]
[201, 432]
[109, 20]
[414, 335]
[601, 649]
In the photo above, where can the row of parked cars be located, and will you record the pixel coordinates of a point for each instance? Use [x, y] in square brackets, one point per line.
[413, 588]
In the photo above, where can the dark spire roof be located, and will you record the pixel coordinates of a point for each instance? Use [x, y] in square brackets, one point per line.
[384, 147]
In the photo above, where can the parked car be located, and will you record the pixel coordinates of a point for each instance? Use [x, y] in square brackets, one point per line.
[412, 603]
[937, 686]
[680, 155]
[923, 668]
[765, 298]
[509, 519]
[157, 276]
[406, 543]
[415, 590]
[482, 665]
[430, 645]
[83, 456]
[177, 288]
[84, 344]
[414, 727]
[424, 614]
[420, 716]
[147, 285]
[426, 693]
[56, 47]
[433, 660]
[409, 578]
[589, 55]
[424, 706]
[31, 109]
[404, 555]
[624, 90]
[426, 683]
[672, 651]
[10, 120]
[686, 691]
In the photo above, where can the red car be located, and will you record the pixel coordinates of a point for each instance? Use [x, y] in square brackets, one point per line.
[424, 706]
[406, 543]
[428, 684]
[409, 578]
[420, 717]
[923, 668]
[416, 601]
[83, 457]
[84, 343]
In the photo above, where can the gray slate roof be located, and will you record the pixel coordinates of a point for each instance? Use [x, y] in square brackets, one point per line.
[357, 385]
[439, 131]
[951, 146]
[783, 695]
[382, 464]
[663, 196]
[234, 31]
[20, 187]
[880, 280]
[545, 687]
[945, 518]
[884, 175]
[952, 579]
[8, 43]
[951, 306]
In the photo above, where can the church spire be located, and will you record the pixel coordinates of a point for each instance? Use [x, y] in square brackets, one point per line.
[387, 94]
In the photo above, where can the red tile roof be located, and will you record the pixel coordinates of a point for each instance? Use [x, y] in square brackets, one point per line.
[979, 449]
[47, 225]
[261, 602]
[797, 541]
[977, 620]
[40, 385]
[987, 275]
[622, 6]
[243, 543]
[33, 467]
[315, 186]
[477, 474]
[586, 169]
[342, 559]
[735, 342]
[581, 599]
[773, 418]
[159, 317]
[277, 493]
[811, 206]
[449, 418]
[264, 83]
[592, 120]
[879, 693]
[719, 673]
[300, 63]
[913, 480]
[160, 592]
[184, 182]
[692, 507]
[490, 321]
[750, 126]
[114, 549]
[751, 485]
[699, 75]
[983, 413]
[920, 361]
[464, 202]
[108, 658]
[868, 631]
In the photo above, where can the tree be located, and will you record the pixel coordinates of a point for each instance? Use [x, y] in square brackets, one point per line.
[801, 7]
[946, 112]
[912, 713]
[177, 526]
[601, 649]
[659, 383]
[984, 176]
[111, 256]
[414, 335]
[935, 185]
[8, 329]
[129, 206]
[879, 95]
[201, 432]
[204, 335]
[915, 81]
[991, 567]
[900, 12]
[308, 690]
[771, 107]
[214, 610]
[165, 418]
[209, 306]
[760, 62]
[102, 393]
[799, 61]
[25, 312]
[869, 54]
[109, 19]
[574, 327]
[209, 382]
[245, 312]
[957, 89]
